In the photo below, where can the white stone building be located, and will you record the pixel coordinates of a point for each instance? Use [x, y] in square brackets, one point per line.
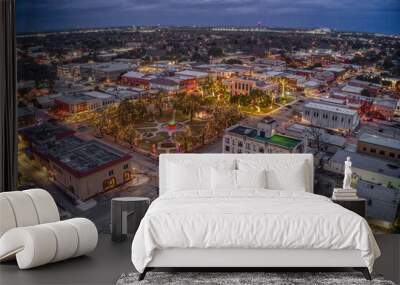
[105, 99]
[243, 139]
[330, 116]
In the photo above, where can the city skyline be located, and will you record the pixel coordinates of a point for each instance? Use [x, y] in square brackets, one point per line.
[346, 15]
[96, 108]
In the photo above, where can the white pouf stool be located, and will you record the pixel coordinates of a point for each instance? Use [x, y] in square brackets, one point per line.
[31, 230]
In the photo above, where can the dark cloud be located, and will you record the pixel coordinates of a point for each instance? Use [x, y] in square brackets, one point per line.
[367, 15]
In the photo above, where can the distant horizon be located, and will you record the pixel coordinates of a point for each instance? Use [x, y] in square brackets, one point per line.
[372, 16]
[65, 29]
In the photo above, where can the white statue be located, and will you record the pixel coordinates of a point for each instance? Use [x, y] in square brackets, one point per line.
[347, 174]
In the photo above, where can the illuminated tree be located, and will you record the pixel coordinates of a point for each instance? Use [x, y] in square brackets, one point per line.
[194, 104]
[131, 134]
[159, 102]
[125, 113]
[283, 84]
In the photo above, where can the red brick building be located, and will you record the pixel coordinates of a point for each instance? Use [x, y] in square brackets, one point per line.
[136, 79]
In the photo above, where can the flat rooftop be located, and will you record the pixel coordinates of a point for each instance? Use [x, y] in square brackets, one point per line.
[294, 76]
[166, 81]
[303, 130]
[364, 83]
[335, 69]
[59, 147]
[193, 73]
[114, 66]
[276, 139]
[386, 102]
[273, 73]
[378, 140]
[80, 157]
[46, 131]
[97, 94]
[75, 98]
[47, 98]
[90, 154]
[312, 83]
[368, 163]
[330, 108]
[353, 89]
[333, 100]
[134, 74]
[281, 140]
[352, 95]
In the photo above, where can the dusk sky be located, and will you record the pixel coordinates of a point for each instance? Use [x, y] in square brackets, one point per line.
[355, 15]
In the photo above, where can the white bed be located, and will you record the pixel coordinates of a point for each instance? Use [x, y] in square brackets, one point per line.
[249, 227]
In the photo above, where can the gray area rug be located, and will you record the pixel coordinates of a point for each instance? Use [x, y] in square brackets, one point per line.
[243, 278]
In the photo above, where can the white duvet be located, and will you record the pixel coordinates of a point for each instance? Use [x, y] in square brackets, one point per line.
[250, 219]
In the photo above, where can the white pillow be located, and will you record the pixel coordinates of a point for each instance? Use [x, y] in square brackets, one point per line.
[182, 177]
[292, 178]
[251, 178]
[223, 179]
[282, 174]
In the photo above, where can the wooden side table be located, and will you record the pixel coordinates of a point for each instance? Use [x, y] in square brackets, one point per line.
[126, 214]
[358, 205]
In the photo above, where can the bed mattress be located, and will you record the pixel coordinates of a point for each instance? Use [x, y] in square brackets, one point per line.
[250, 219]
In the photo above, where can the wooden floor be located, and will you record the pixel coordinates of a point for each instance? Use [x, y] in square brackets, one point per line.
[110, 260]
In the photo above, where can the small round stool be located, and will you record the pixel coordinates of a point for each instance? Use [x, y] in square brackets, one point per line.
[126, 214]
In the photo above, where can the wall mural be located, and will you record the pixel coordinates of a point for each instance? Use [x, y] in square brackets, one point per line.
[97, 106]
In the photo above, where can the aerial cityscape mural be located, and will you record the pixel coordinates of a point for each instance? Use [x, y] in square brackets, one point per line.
[102, 96]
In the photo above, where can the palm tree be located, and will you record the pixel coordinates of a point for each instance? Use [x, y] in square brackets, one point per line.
[194, 104]
[131, 134]
[160, 99]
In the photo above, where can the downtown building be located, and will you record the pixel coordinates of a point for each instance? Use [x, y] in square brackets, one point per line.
[367, 168]
[330, 116]
[262, 139]
[76, 103]
[81, 168]
[200, 77]
[137, 79]
[174, 84]
[109, 71]
[121, 93]
[69, 72]
[385, 108]
[353, 99]
[244, 86]
[378, 146]
[83, 102]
